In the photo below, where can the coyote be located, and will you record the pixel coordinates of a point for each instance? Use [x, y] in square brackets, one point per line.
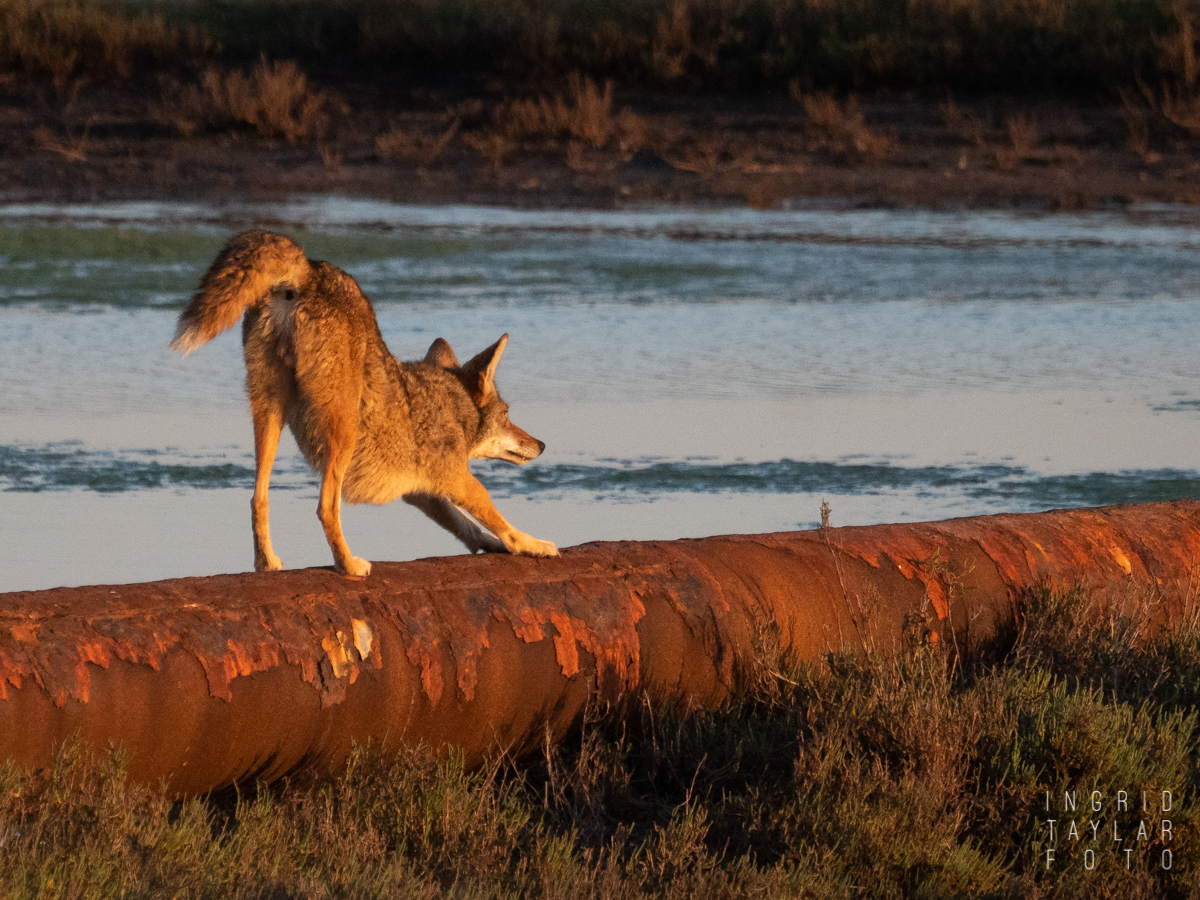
[374, 428]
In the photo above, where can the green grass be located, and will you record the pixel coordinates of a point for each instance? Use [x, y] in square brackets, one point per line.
[852, 777]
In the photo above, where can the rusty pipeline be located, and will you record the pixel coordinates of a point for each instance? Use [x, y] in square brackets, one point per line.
[209, 681]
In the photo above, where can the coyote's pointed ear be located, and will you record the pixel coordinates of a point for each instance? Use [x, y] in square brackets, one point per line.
[440, 354]
[480, 373]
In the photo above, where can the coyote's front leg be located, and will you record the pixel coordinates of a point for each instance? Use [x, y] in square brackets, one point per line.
[472, 496]
[452, 519]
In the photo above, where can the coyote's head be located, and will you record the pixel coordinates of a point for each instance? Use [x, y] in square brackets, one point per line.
[497, 437]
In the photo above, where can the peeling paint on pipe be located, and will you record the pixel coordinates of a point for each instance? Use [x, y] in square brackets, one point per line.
[208, 681]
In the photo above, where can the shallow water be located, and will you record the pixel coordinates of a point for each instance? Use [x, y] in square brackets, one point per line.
[692, 372]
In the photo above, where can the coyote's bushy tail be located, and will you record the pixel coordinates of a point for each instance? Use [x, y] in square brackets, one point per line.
[250, 265]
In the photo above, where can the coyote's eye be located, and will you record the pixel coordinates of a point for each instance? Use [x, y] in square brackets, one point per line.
[289, 294]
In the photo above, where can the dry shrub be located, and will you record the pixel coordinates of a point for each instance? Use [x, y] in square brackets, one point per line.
[967, 127]
[1177, 52]
[672, 42]
[584, 118]
[585, 115]
[422, 150]
[703, 156]
[68, 146]
[493, 145]
[590, 119]
[554, 117]
[66, 40]
[1180, 109]
[999, 45]
[693, 30]
[1177, 100]
[1022, 133]
[275, 99]
[1022, 141]
[840, 128]
[1137, 115]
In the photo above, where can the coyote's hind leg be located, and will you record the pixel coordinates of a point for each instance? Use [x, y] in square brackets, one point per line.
[341, 434]
[271, 390]
[267, 428]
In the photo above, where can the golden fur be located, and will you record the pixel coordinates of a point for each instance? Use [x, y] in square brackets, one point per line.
[374, 428]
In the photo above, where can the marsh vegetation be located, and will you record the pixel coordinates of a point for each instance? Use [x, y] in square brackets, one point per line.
[855, 776]
[1076, 102]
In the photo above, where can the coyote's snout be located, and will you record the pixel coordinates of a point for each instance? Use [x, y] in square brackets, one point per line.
[374, 428]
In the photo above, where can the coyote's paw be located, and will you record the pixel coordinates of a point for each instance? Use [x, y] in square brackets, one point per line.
[524, 545]
[355, 566]
[270, 563]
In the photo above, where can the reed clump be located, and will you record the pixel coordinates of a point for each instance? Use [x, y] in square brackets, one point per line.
[1172, 106]
[840, 127]
[422, 150]
[857, 776]
[68, 40]
[584, 114]
[583, 118]
[1022, 133]
[275, 99]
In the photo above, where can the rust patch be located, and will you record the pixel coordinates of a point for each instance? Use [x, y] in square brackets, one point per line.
[914, 552]
[1058, 552]
[448, 622]
[1122, 560]
[566, 649]
[59, 644]
[937, 595]
[1008, 554]
[364, 637]
[24, 633]
[596, 615]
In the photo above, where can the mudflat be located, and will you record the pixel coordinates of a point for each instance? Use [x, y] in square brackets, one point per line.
[766, 151]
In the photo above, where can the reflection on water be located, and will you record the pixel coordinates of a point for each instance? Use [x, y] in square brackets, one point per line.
[692, 371]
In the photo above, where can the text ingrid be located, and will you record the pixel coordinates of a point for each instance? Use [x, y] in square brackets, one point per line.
[1152, 824]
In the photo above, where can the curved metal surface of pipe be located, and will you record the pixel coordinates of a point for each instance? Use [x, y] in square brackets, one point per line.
[207, 681]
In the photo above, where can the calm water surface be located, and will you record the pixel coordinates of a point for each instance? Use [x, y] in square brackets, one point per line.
[692, 372]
